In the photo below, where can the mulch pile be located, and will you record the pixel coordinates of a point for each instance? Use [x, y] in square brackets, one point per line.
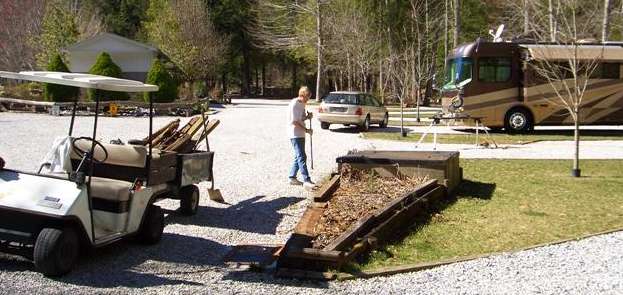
[361, 193]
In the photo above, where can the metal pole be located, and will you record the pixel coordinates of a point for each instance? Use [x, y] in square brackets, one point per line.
[97, 104]
[73, 117]
[151, 124]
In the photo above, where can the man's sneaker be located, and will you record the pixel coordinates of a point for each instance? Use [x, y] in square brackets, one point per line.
[294, 181]
[308, 185]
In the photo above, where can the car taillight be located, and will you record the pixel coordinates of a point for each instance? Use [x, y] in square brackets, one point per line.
[359, 111]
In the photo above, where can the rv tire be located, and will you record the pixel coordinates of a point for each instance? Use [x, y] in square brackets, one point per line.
[518, 120]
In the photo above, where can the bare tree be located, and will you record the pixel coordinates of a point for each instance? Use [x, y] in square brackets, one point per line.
[277, 28]
[19, 24]
[183, 30]
[567, 67]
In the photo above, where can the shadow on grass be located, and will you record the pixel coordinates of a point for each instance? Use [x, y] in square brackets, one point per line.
[475, 189]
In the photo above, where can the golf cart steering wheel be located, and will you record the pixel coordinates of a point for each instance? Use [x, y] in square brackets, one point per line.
[81, 153]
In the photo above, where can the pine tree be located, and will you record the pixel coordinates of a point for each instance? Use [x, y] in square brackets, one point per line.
[159, 76]
[55, 92]
[105, 66]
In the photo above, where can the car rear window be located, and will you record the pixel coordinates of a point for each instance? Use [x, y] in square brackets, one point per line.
[341, 99]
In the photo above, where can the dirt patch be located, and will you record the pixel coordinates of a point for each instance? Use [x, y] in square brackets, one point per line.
[361, 193]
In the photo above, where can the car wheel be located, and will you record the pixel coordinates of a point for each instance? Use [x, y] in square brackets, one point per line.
[385, 121]
[56, 251]
[518, 120]
[153, 226]
[324, 125]
[365, 126]
[189, 200]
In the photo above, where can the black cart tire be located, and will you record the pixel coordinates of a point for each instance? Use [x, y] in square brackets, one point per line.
[189, 200]
[152, 227]
[365, 126]
[324, 125]
[385, 121]
[56, 251]
[518, 120]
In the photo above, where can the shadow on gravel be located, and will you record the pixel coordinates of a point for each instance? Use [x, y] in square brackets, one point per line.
[265, 278]
[252, 215]
[128, 264]
[568, 132]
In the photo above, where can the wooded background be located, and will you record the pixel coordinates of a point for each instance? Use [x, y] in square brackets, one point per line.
[392, 48]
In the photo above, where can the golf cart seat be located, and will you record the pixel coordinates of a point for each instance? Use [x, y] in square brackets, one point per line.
[129, 162]
[110, 189]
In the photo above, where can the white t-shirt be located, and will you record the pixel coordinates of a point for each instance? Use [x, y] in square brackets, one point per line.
[296, 113]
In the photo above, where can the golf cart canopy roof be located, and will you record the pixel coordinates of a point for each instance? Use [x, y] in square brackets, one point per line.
[82, 81]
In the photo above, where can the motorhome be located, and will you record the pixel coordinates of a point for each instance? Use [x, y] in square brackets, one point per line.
[497, 84]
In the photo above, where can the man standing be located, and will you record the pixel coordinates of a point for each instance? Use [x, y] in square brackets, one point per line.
[296, 132]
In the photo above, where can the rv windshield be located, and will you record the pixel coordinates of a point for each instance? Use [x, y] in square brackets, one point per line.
[458, 71]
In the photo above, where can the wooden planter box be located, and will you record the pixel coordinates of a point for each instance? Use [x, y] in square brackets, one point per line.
[443, 166]
[299, 259]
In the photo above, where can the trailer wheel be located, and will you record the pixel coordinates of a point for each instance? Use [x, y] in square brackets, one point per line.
[324, 125]
[153, 226]
[518, 120]
[56, 251]
[189, 200]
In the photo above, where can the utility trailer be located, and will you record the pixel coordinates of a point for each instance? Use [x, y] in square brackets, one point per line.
[92, 194]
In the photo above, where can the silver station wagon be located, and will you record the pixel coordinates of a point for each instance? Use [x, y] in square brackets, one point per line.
[352, 108]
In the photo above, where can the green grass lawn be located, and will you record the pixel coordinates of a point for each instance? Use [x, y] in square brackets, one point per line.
[501, 138]
[511, 204]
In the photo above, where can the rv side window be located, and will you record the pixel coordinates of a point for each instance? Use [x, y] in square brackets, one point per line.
[494, 69]
[610, 71]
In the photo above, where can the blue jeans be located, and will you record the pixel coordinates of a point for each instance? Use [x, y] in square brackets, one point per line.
[300, 159]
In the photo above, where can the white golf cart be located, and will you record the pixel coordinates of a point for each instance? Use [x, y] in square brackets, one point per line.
[91, 193]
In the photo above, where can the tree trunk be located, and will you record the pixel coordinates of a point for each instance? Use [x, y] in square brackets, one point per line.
[381, 92]
[552, 21]
[576, 137]
[263, 78]
[224, 82]
[318, 48]
[526, 17]
[295, 81]
[348, 72]
[257, 81]
[457, 22]
[605, 28]
[246, 71]
[445, 37]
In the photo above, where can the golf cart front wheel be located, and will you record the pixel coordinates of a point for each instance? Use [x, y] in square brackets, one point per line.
[56, 251]
[189, 200]
[324, 125]
[153, 226]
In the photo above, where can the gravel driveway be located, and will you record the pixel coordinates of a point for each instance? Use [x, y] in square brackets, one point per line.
[252, 162]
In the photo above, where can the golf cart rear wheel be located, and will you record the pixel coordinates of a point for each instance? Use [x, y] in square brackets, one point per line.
[153, 226]
[189, 200]
[56, 251]
[324, 125]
